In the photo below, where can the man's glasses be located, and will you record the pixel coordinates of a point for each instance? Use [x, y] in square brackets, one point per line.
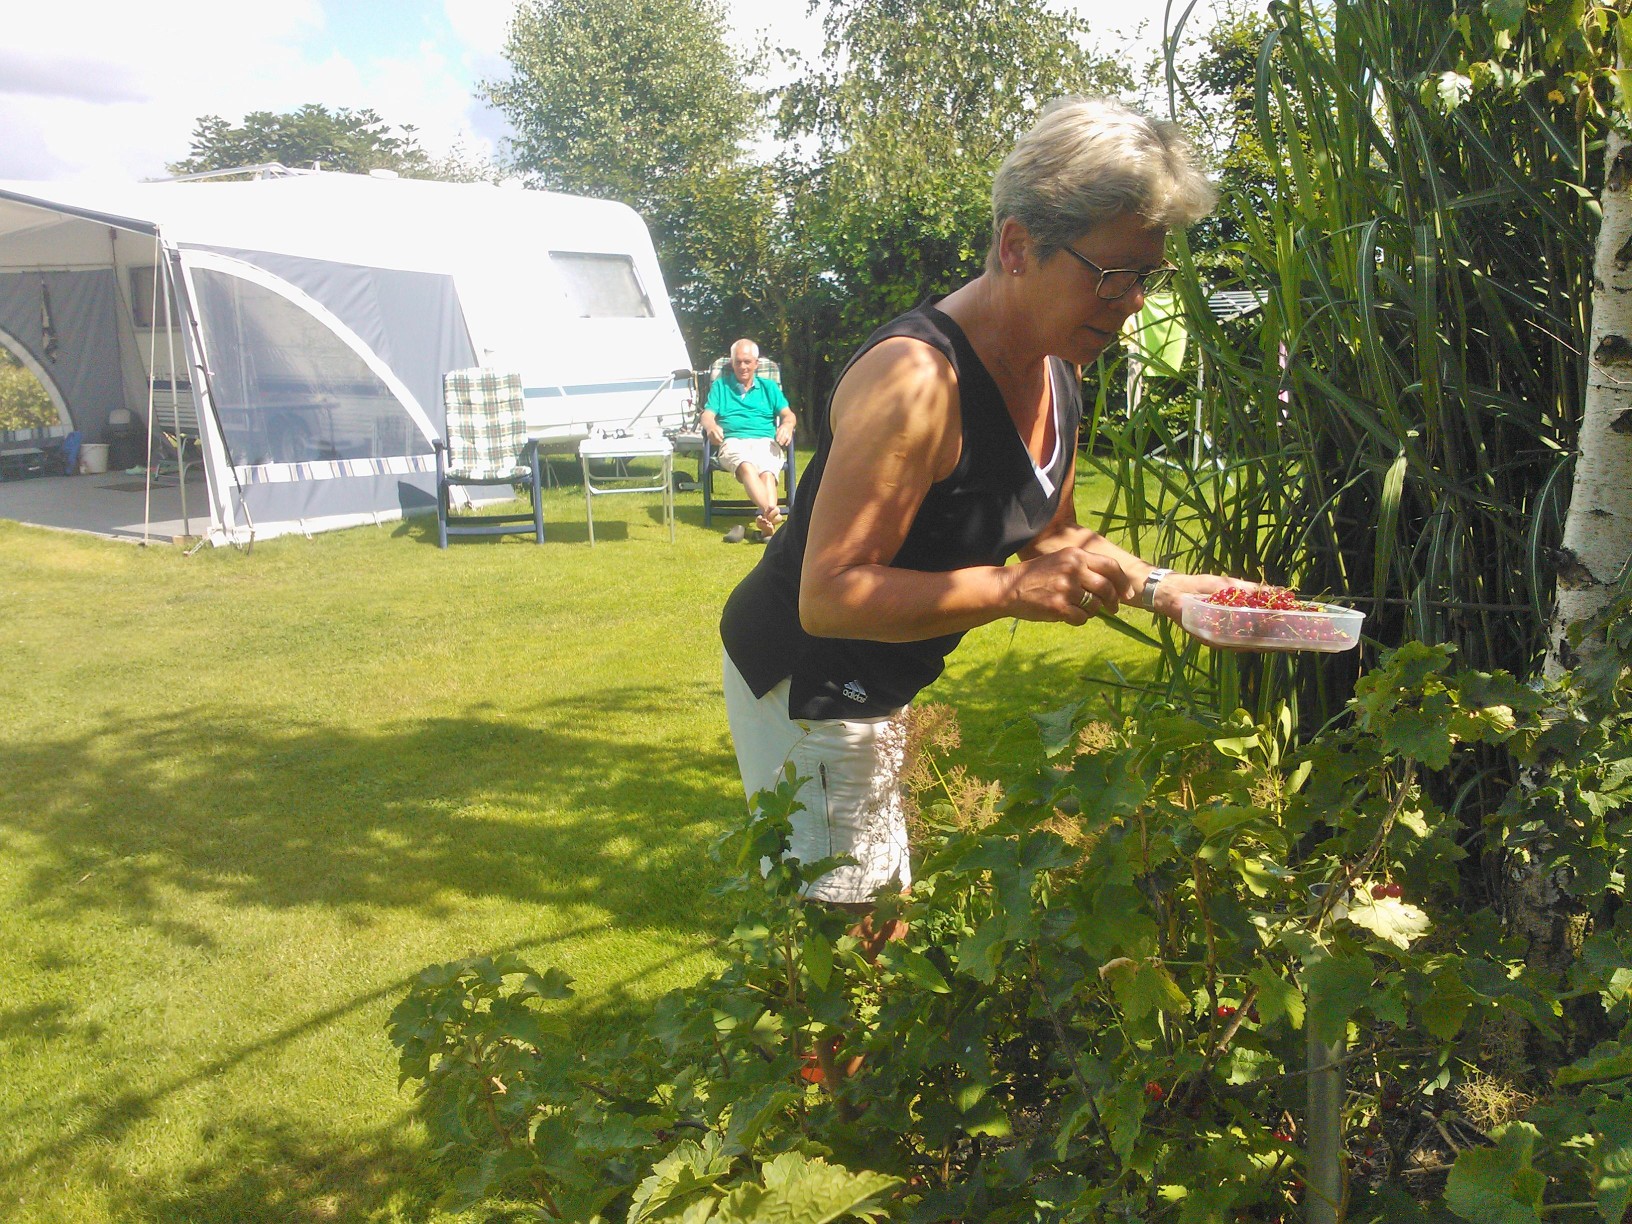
[1118, 282]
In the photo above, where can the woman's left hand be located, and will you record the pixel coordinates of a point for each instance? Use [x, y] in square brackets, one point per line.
[1171, 590]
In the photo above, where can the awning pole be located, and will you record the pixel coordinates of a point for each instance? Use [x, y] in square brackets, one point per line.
[175, 403]
[152, 359]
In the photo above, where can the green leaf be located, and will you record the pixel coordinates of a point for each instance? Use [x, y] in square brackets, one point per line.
[685, 1173]
[1236, 747]
[1107, 786]
[1446, 1007]
[979, 953]
[1123, 1114]
[986, 1117]
[1058, 728]
[1498, 1185]
[818, 959]
[1277, 997]
[1608, 1061]
[916, 968]
[1612, 1159]
[1142, 987]
[1388, 918]
[798, 1190]
[1261, 875]
[1506, 15]
[1334, 989]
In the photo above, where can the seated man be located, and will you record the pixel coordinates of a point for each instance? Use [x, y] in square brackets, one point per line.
[748, 420]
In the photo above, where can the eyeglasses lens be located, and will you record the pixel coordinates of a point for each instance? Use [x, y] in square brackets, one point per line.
[1120, 281]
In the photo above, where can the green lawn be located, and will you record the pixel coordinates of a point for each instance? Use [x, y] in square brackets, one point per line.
[244, 798]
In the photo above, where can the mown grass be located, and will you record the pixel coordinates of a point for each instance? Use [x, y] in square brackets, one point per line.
[246, 797]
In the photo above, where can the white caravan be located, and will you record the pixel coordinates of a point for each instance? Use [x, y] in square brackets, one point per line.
[300, 326]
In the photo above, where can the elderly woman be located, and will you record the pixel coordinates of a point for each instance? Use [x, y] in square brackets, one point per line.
[949, 447]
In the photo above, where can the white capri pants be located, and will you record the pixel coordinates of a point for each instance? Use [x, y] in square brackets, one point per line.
[850, 784]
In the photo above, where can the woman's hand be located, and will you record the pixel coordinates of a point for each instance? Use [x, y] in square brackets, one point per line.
[1171, 590]
[1069, 584]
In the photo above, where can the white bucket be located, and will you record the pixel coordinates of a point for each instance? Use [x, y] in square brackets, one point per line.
[93, 458]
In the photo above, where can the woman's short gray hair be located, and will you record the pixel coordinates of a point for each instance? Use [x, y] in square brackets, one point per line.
[1087, 160]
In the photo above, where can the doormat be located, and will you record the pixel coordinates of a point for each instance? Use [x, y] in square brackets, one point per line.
[137, 486]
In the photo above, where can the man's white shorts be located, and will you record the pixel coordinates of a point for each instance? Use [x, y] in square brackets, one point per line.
[850, 771]
[763, 454]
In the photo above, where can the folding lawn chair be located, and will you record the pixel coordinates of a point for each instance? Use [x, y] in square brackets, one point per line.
[486, 444]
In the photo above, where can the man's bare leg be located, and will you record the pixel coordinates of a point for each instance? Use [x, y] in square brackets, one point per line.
[761, 489]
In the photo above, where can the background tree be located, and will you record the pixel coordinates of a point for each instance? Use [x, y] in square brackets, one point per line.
[909, 113]
[1219, 84]
[342, 139]
[642, 101]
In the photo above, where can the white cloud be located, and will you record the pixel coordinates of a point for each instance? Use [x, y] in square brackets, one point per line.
[481, 25]
[115, 89]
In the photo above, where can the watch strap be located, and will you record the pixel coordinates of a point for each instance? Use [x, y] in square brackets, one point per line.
[1147, 593]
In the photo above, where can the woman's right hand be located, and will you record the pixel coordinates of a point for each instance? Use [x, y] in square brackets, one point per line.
[1069, 584]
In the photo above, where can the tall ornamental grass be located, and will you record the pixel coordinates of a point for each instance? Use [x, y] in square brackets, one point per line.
[1394, 427]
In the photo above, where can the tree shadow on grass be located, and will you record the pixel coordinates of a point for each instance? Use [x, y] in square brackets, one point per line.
[104, 1123]
[275, 1170]
[551, 810]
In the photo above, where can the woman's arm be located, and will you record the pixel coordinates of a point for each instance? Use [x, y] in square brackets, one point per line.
[896, 431]
[1064, 532]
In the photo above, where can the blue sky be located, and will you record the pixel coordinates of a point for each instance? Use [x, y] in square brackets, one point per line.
[110, 88]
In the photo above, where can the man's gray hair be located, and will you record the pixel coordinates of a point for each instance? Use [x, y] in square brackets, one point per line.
[1088, 160]
[744, 343]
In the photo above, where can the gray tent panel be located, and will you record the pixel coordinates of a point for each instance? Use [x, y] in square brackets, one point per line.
[81, 353]
[411, 320]
[314, 428]
[294, 500]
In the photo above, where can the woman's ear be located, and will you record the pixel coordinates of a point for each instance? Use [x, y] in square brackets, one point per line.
[1014, 247]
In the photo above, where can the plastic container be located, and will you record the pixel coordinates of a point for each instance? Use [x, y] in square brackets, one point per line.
[93, 458]
[1327, 628]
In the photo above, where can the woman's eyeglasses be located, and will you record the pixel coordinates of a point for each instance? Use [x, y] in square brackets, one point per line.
[1118, 282]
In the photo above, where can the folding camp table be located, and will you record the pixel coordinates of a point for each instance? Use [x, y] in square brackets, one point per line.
[614, 451]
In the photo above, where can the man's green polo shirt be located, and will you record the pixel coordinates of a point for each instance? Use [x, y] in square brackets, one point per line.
[746, 414]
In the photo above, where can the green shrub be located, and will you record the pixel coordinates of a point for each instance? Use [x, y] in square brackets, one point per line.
[1103, 1005]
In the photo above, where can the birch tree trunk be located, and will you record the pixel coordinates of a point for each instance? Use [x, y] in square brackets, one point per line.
[1598, 527]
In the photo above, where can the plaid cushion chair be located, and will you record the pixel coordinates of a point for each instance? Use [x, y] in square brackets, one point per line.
[486, 444]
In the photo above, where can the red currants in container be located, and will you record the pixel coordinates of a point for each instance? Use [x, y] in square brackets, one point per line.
[1269, 618]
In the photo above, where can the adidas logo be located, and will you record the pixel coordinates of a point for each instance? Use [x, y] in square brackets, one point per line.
[854, 691]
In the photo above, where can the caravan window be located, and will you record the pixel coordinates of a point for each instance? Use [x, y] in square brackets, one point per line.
[602, 286]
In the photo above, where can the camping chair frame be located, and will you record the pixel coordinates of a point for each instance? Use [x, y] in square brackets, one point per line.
[743, 506]
[503, 391]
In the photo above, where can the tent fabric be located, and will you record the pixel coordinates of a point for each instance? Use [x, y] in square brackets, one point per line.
[411, 320]
[84, 360]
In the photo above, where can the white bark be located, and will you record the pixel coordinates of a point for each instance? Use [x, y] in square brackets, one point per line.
[1598, 527]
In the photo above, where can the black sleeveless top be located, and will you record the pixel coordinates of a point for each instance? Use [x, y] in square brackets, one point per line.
[989, 507]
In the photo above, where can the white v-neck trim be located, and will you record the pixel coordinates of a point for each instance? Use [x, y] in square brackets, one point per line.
[1042, 471]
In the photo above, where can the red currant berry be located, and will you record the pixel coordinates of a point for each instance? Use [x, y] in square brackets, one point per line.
[1379, 891]
[1394, 890]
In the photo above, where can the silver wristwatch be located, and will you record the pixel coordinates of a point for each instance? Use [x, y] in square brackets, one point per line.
[1147, 593]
